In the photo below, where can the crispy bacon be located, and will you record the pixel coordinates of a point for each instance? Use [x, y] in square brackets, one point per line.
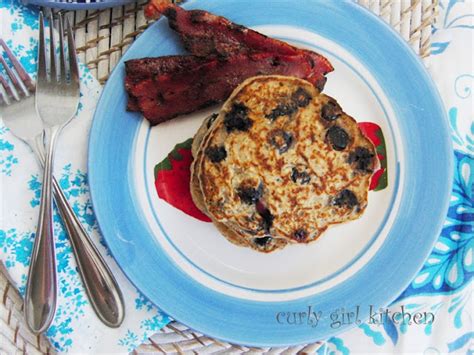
[204, 34]
[223, 55]
[146, 68]
[164, 87]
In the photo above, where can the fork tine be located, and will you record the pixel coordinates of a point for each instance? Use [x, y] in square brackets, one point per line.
[72, 54]
[7, 89]
[42, 75]
[24, 77]
[62, 61]
[18, 88]
[52, 50]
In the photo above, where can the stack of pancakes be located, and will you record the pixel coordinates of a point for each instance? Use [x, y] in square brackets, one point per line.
[279, 164]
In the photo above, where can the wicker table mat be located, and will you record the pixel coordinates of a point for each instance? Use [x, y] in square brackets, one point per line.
[102, 37]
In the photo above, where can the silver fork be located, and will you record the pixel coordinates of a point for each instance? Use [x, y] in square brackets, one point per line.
[57, 100]
[18, 112]
[17, 107]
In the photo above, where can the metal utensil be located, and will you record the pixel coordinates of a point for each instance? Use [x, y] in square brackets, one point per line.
[56, 103]
[18, 111]
[40, 303]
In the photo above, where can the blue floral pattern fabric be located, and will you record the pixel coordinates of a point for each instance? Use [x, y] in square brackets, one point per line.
[443, 286]
[75, 327]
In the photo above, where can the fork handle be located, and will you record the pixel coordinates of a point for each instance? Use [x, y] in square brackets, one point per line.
[41, 287]
[100, 285]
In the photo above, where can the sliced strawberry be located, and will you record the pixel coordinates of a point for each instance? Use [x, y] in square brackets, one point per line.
[374, 133]
[374, 182]
[370, 129]
[172, 179]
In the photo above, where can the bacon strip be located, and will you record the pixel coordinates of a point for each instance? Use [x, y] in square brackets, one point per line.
[165, 87]
[204, 34]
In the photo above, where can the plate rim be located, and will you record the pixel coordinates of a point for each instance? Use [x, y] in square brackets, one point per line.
[278, 339]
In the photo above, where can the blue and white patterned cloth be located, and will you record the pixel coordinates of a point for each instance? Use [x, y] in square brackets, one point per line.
[442, 287]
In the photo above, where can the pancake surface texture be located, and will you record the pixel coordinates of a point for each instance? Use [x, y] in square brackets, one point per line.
[280, 163]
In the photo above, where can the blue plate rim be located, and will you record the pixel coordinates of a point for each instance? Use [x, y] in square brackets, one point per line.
[242, 315]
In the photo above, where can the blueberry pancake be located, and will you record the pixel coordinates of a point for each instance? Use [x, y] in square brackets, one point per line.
[283, 161]
[265, 244]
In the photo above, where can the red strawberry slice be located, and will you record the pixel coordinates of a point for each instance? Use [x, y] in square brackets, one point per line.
[172, 179]
[374, 133]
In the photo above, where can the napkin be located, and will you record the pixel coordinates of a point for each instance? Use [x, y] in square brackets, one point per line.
[75, 328]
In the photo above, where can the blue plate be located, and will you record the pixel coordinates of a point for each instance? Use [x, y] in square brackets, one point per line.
[189, 271]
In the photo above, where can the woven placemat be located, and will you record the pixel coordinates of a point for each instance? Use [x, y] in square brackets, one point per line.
[102, 37]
